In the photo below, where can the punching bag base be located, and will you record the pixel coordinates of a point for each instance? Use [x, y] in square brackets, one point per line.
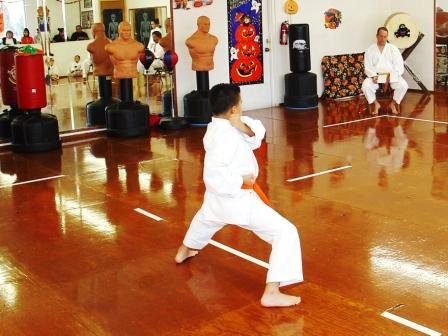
[34, 132]
[301, 90]
[197, 107]
[171, 124]
[5, 121]
[96, 111]
[127, 119]
[166, 103]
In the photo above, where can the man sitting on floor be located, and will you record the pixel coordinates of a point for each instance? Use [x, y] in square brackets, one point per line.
[383, 63]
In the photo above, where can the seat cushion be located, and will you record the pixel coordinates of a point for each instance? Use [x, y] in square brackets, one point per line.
[342, 75]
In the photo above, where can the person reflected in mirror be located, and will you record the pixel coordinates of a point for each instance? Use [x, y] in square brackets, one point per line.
[87, 67]
[112, 30]
[9, 39]
[233, 197]
[157, 66]
[201, 46]
[26, 38]
[60, 36]
[38, 37]
[154, 26]
[75, 68]
[124, 52]
[79, 34]
[145, 29]
[383, 63]
[43, 27]
[51, 71]
[102, 65]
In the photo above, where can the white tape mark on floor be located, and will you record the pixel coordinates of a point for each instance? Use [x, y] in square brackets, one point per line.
[418, 119]
[410, 324]
[95, 130]
[320, 173]
[81, 141]
[6, 144]
[351, 121]
[148, 214]
[31, 181]
[239, 254]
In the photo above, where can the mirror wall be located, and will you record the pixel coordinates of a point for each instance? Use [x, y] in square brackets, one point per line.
[441, 45]
[67, 96]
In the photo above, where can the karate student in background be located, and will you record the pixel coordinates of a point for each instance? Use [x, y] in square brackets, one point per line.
[383, 63]
[230, 171]
[75, 67]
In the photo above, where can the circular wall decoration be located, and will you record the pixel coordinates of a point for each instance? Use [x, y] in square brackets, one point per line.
[291, 7]
[403, 30]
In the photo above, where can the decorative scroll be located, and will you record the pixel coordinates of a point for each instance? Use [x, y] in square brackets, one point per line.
[245, 41]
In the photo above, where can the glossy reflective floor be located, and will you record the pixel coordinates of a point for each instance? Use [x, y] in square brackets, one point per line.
[76, 258]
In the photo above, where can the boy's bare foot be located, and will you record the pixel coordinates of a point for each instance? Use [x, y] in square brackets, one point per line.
[272, 297]
[184, 253]
[279, 300]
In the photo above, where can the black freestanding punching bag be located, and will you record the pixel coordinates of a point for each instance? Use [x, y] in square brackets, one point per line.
[300, 85]
[96, 110]
[127, 118]
[197, 107]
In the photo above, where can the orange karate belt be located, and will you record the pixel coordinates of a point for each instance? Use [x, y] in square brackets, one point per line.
[258, 191]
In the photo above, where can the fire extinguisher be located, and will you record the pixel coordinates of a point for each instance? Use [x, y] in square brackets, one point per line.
[284, 33]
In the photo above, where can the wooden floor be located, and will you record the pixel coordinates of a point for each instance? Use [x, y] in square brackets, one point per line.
[78, 257]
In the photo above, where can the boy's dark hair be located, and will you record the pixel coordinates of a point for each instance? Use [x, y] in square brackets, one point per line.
[157, 33]
[223, 96]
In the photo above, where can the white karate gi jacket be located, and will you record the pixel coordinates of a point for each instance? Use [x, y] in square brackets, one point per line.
[388, 61]
[228, 156]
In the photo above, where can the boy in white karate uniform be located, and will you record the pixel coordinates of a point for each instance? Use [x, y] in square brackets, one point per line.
[230, 171]
[380, 59]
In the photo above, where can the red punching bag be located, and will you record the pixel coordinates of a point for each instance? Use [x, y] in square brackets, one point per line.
[8, 76]
[30, 77]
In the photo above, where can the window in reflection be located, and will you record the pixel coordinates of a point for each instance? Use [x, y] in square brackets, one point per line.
[12, 17]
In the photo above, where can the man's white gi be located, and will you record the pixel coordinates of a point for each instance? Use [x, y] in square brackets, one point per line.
[388, 61]
[229, 155]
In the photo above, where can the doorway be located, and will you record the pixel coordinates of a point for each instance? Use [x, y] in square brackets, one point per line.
[441, 46]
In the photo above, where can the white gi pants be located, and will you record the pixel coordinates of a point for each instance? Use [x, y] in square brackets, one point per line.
[369, 89]
[285, 261]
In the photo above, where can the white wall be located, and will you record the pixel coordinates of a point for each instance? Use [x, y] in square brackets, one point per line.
[360, 19]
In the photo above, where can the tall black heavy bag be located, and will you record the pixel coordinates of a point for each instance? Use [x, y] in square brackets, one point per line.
[299, 48]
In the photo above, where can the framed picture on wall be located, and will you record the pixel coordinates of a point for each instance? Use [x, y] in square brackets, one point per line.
[86, 19]
[87, 3]
[111, 19]
[143, 16]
